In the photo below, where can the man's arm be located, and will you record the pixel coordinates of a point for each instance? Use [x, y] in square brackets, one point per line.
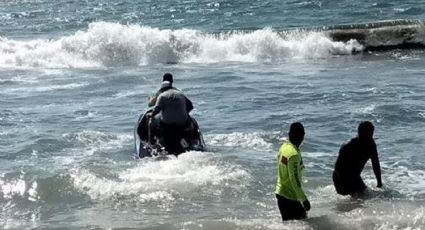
[339, 164]
[376, 167]
[158, 106]
[189, 105]
[294, 164]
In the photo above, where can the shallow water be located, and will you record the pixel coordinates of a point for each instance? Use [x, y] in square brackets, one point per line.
[74, 77]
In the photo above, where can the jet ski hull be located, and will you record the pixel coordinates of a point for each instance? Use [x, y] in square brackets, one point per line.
[191, 140]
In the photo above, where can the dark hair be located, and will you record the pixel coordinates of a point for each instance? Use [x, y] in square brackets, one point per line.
[296, 129]
[168, 77]
[296, 133]
[365, 129]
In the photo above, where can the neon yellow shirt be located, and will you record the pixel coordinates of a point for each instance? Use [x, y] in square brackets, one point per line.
[289, 172]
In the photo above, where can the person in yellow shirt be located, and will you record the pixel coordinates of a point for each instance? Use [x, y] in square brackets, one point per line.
[291, 199]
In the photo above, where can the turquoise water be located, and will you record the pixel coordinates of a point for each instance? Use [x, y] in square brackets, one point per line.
[75, 75]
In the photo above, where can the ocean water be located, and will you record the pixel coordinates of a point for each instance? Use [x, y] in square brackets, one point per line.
[75, 75]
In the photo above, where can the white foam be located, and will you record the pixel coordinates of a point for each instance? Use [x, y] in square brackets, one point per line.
[319, 154]
[246, 140]
[88, 115]
[100, 140]
[127, 93]
[39, 53]
[18, 187]
[271, 222]
[386, 216]
[93, 142]
[5, 16]
[366, 109]
[325, 194]
[407, 181]
[165, 180]
[111, 44]
[340, 213]
[15, 187]
[22, 79]
[47, 88]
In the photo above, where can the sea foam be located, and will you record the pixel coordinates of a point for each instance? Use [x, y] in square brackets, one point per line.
[106, 44]
[164, 180]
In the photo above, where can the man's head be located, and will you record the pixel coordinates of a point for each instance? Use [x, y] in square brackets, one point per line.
[365, 130]
[168, 77]
[296, 133]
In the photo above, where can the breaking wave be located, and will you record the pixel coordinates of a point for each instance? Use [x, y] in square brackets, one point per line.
[106, 44]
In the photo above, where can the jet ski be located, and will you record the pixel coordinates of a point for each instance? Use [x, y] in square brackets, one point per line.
[151, 143]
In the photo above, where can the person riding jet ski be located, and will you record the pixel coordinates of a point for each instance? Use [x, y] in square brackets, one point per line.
[173, 108]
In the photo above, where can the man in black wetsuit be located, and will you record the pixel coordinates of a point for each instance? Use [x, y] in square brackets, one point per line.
[352, 159]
